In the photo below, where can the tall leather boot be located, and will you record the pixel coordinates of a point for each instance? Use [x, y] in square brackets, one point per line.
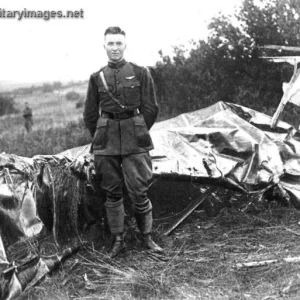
[115, 219]
[144, 223]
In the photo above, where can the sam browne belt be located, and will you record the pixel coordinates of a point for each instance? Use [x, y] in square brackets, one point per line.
[120, 115]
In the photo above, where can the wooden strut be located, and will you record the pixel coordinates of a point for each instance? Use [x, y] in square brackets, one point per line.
[189, 209]
[267, 262]
[284, 98]
[54, 207]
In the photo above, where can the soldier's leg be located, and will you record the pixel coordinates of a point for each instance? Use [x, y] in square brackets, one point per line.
[108, 168]
[26, 125]
[30, 126]
[137, 171]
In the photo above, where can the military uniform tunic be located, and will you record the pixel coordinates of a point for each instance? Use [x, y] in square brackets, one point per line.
[133, 86]
[121, 147]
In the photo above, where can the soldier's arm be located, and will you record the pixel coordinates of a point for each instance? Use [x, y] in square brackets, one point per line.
[91, 110]
[149, 107]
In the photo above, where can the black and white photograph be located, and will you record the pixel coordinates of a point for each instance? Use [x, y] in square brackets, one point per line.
[150, 150]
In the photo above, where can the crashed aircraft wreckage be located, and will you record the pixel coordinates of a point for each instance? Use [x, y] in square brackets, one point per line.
[222, 145]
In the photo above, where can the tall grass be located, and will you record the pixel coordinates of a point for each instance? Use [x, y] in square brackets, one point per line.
[46, 141]
[58, 126]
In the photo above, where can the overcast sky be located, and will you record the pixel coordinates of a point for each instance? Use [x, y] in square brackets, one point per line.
[71, 49]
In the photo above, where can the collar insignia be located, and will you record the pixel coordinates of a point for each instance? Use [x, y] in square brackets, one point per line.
[129, 77]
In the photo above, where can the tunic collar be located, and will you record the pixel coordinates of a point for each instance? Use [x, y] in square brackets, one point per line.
[117, 65]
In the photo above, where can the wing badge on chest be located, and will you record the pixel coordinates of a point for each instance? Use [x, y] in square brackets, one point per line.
[129, 77]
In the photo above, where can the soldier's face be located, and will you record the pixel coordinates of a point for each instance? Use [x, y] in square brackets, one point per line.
[115, 45]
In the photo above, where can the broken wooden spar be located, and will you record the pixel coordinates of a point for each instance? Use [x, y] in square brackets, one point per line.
[189, 209]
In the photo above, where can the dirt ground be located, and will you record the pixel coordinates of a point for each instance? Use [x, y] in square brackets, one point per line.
[202, 255]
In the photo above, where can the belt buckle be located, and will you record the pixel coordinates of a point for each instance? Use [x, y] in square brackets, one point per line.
[116, 116]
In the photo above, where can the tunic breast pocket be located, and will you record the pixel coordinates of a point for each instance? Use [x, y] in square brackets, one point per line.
[100, 137]
[132, 92]
[103, 95]
[102, 89]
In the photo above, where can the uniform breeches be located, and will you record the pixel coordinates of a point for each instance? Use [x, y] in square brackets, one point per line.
[134, 170]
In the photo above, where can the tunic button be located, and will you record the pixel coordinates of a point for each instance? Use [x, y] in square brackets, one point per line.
[118, 82]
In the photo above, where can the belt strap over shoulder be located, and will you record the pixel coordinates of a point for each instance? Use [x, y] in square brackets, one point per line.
[109, 92]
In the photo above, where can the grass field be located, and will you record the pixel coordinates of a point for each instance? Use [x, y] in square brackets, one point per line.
[202, 256]
[57, 125]
[201, 260]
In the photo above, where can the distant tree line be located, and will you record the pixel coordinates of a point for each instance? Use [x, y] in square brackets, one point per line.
[228, 65]
[7, 103]
[46, 87]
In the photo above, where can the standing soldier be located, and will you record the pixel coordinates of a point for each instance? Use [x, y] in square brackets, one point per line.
[119, 111]
[27, 114]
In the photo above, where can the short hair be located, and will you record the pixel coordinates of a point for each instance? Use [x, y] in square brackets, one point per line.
[114, 30]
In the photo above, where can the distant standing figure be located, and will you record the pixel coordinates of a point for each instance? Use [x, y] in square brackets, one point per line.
[27, 114]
